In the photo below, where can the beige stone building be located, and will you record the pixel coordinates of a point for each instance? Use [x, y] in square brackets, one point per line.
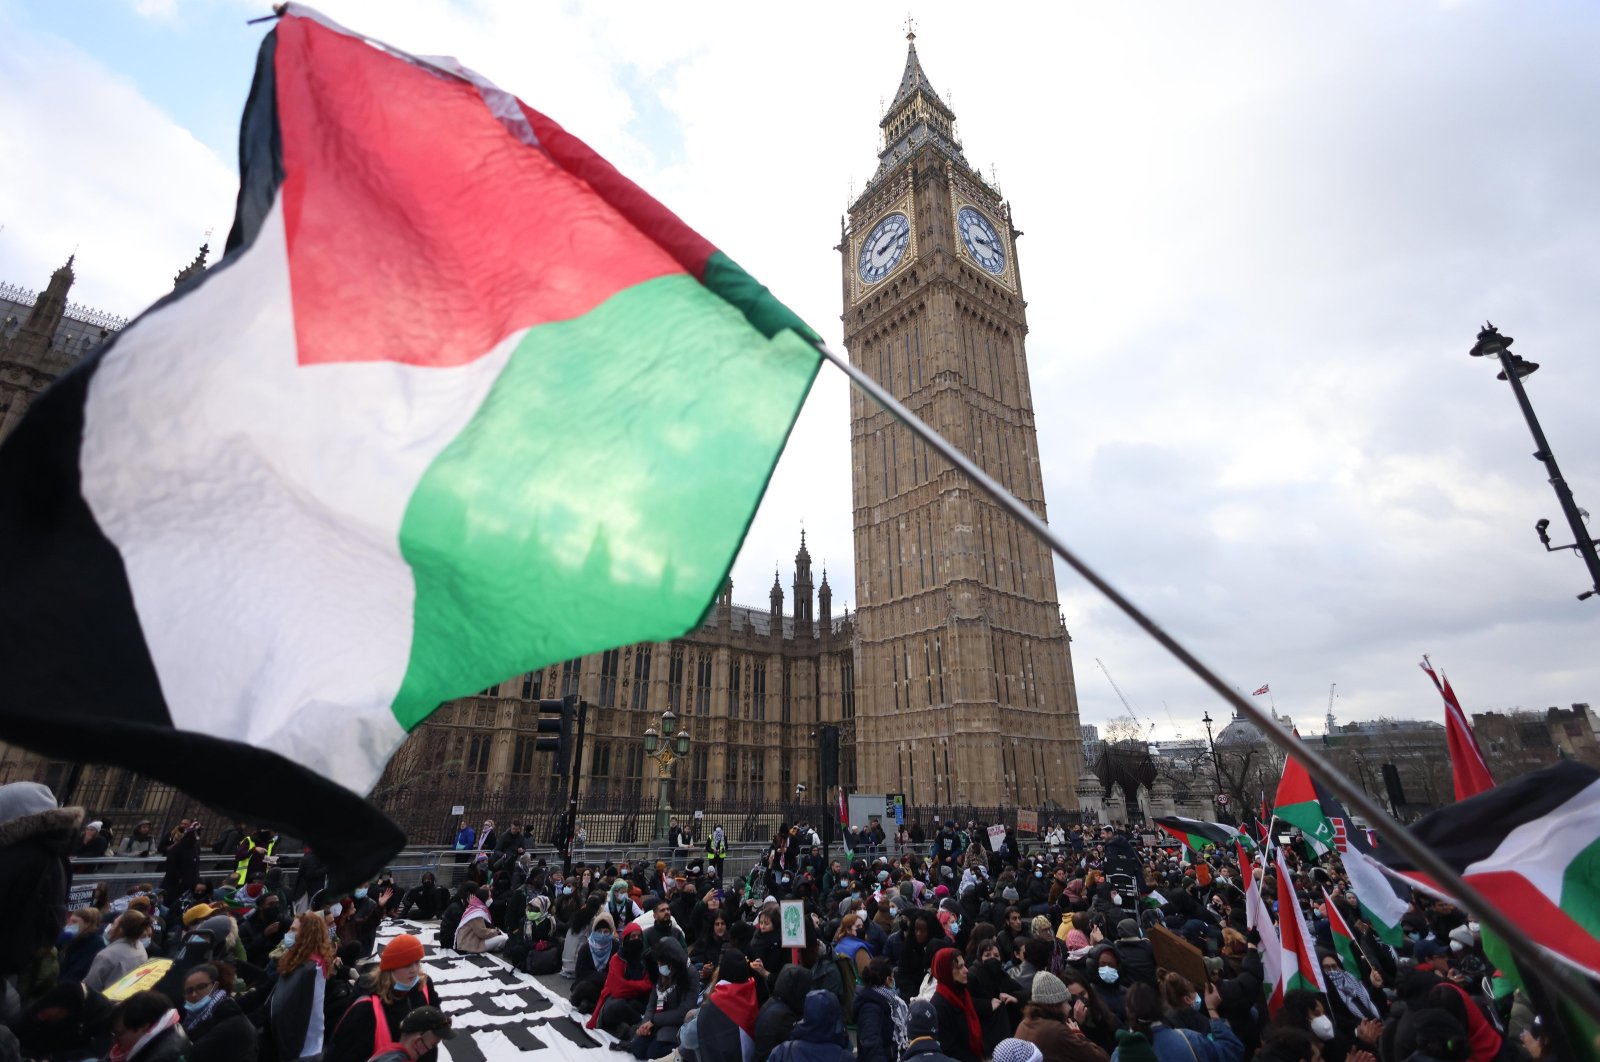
[964, 676]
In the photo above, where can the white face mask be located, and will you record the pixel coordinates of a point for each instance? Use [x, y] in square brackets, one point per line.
[1322, 1027]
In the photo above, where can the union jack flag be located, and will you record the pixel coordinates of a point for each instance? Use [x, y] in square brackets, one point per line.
[1259, 692]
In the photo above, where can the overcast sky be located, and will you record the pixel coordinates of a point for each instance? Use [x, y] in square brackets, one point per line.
[1260, 239]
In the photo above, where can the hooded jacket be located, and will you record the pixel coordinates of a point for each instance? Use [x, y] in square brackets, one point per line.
[621, 981]
[819, 1036]
[35, 836]
[781, 1013]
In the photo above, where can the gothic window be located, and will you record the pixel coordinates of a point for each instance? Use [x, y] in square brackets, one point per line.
[528, 682]
[938, 663]
[492, 691]
[730, 775]
[600, 771]
[787, 708]
[608, 678]
[758, 774]
[641, 677]
[894, 673]
[758, 691]
[675, 679]
[476, 761]
[485, 715]
[569, 677]
[785, 773]
[733, 688]
[633, 781]
[702, 685]
[927, 665]
[522, 755]
[847, 688]
[699, 773]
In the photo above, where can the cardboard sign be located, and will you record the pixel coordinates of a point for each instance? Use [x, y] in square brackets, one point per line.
[1176, 954]
[997, 837]
[138, 979]
[792, 923]
[1027, 821]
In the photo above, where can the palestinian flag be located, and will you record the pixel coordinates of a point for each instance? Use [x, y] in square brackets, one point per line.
[459, 402]
[1196, 834]
[1257, 917]
[1382, 899]
[1531, 847]
[1299, 967]
[1296, 803]
[1344, 941]
[727, 1021]
[1467, 766]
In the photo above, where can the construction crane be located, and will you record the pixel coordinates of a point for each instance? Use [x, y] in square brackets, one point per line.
[1123, 697]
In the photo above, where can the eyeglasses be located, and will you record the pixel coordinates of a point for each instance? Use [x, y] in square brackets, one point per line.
[200, 989]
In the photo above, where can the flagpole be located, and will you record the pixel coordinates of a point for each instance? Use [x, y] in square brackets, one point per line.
[1425, 859]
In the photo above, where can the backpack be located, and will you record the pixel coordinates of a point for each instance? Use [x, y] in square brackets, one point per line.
[449, 922]
[825, 975]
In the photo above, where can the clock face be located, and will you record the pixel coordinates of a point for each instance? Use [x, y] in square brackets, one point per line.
[981, 240]
[883, 248]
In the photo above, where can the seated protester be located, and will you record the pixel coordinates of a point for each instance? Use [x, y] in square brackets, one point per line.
[542, 938]
[725, 1025]
[674, 993]
[960, 1032]
[477, 933]
[620, 905]
[766, 951]
[819, 1036]
[1036, 955]
[297, 1010]
[781, 1013]
[880, 1015]
[850, 941]
[124, 951]
[450, 920]
[1307, 1010]
[362, 917]
[372, 1021]
[1145, 1017]
[421, 1033]
[509, 911]
[922, 1030]
[703, 954]
[79, 943]
[1184, 1007]
[427, 899]
[68, 1021]
[218, 1030]
[1075, 932]
[662, 929]
[262, 930]
[1108, 984]
[627, 986]
[146, 1028]
[594, 962]
[1136, 957]
[995, 996]
[1085, 1008]
[1351, 1002]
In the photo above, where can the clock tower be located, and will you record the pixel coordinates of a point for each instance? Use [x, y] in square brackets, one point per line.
[964, 684]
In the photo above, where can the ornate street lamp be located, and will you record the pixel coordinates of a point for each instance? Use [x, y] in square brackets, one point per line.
[666, 748]
[1215, 766]
[1491, 344]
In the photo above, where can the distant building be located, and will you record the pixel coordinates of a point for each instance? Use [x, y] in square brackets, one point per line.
[1520, 741]
[1092, 745]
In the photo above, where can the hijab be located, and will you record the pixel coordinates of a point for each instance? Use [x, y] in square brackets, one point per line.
[600, 950]
[957, 996]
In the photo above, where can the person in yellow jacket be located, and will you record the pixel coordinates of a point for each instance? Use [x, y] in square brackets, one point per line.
[253, 855]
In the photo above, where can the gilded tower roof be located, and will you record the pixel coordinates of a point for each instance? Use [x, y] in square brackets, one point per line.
[917, 116]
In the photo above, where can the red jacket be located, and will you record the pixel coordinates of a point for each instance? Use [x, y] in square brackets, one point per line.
[618, 984]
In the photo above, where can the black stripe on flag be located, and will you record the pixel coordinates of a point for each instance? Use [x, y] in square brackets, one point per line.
[79, 683]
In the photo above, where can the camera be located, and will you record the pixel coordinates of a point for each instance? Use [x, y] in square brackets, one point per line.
[800, 787]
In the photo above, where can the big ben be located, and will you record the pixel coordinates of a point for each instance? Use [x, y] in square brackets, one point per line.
[965, 690]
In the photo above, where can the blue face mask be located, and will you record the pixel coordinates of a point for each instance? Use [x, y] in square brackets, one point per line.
[666, 971]
[193, 1005]
[288, 940]
[601, 936]
[1198, 1004]
[405, 986]
[361, 894]
[566, 890]
[1109, 974]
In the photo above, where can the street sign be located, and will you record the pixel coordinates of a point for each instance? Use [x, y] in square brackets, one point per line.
[457, 810]
[897, 808]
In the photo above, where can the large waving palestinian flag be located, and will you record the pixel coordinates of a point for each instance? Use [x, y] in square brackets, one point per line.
[1197, 833]
[1297, 803]
[460, 401]
[1531, 847]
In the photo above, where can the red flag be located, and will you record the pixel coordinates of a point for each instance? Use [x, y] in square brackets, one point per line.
[844, 809]
[1259, 692]
[1300, 967]
[1466, 758]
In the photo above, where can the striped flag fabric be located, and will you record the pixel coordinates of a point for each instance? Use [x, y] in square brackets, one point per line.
[1344, 941]
[1258, 918]
[1197, 834]
[1296, 803]
[1382, 899]
[1262, 690]
[460, 401]
[1531, 847]
[1467, 766]
[1299, 967]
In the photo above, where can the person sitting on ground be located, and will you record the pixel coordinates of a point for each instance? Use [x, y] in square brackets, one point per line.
[781, 1013]
[145, 1028]
[218, 1030]
[960, 1032]
[594, 962]
[922, 1030]
[819, 1036]
[1052, 1022]
[726, 1021]
[124, 952]
[1145, 1018]
[421, 1033]
[880, 1015]
[477, 933]
[621, 1004]
[674, 993]
[296, 1010]
[79, 943]
[428, 899]
[373, 1021]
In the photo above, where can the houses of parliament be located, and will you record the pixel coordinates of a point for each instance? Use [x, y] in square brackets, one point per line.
[952, 683]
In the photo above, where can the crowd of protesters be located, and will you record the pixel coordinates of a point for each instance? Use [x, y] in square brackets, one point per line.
[936, 944]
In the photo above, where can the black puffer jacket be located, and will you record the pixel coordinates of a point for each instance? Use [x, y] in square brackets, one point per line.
[35, 837]
[780, 1013]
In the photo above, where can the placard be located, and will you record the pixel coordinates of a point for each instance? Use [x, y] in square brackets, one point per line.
[792, 923]
[897, 808]
[1027, 821]
[80, 896]
[997, 837]
[459, 809]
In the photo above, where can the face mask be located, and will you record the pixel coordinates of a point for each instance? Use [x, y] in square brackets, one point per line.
[1456, 945]
[1109, 974]
[405, 986]
[336, 910]
[1038, 873]
[1322, 1027]
[361, 894]
[601, 936]
[194, 1005]
[566, 890]
[288, 940]
[894, 912]
[666, 971]
[1116, 898]
[1473, 926]
[955, 925]
[71, 929]
[623, 872]
[1198, 1004]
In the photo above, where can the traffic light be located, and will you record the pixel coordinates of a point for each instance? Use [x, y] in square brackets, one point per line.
[556, 721]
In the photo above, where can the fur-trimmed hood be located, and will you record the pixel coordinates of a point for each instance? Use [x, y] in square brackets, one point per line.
[28, 811]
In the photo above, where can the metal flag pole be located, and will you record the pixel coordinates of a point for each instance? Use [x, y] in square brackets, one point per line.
[1424, 858]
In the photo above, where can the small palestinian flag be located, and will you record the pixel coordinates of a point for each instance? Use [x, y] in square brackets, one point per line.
[1382, 899]
[727, 1022]
[1296, 803]
[460, 401]
[1531, 847]
[1300, 968]
[1344, 941]
[1258, 918]
[1196, 834]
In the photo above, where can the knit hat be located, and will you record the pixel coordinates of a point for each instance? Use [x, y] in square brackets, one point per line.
[198, 913]
[1134, 1047]
[400, 952]
[1048, 989]
[924, 1020]
[1014, 1050]
[1127, 928]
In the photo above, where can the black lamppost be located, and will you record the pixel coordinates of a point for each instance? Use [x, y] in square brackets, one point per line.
[1215, 766]
[666, 748]
[1491, 344]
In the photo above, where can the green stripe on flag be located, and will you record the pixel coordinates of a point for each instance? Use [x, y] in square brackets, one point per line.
[599, 495]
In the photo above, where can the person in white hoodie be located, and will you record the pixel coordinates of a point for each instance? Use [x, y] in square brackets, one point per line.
[124, 951]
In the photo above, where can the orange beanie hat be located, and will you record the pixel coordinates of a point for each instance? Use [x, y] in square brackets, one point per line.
[402, 951]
